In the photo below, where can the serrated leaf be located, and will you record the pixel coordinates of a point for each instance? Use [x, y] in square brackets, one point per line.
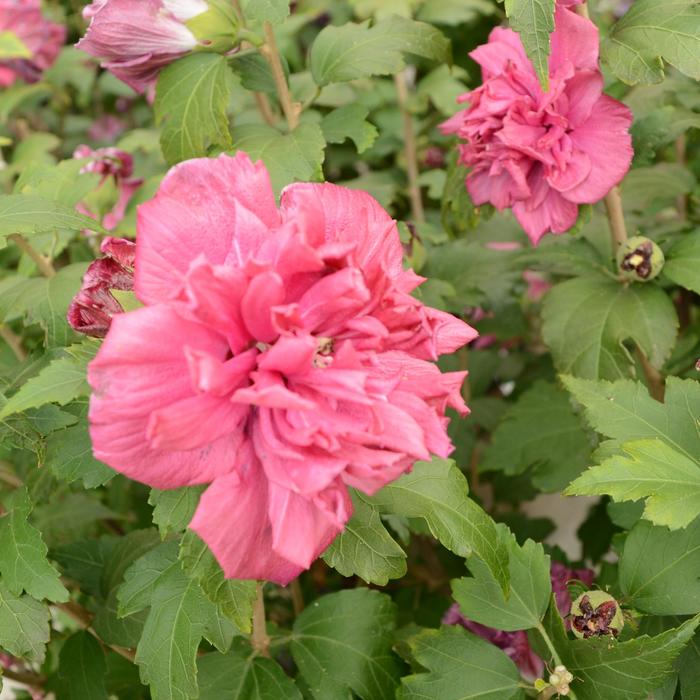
[81, 669]
[243, 674]
[62, 381]
[350, 122]
[343, 642]
[84, 561]
[460, 666]
[659, 569]
[438, 492]
[297, 156]
[683, 262]
[30, 214]
[365, 548]
[192, 96]
[480, 596]
[540, 431]
[354, 51]
[534, 21]
[23, 562]
[69, 456]
[24, 626]
[650, 33]
[173, 509]
[587, 319]
[667, 480]
[142, 578]
[624, 411]
[273, 11]
[234, 598]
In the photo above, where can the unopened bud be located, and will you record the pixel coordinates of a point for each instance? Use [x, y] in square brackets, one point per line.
[596, 614]
[640, 259]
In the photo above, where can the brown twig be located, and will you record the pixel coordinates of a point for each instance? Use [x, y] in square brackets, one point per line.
[297, 597]
[259, 639]
[264, 108]
[35, 680]
[655, 379]
[84, 618]
[14, 341]
[616, 217]
[291, 109]
[43, 264]
[410, 149]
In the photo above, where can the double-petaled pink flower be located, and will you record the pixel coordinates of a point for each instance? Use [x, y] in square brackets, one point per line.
[42, 38]
[542, 153]
[280, 357]
[136, 39]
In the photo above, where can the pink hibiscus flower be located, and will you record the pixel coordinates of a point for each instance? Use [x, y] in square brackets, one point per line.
[42, 38]
[115, 165]
[542, 153]
[137, 38]
[279, 357]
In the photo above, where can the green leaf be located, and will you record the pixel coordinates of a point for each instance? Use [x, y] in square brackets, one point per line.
[11, 46]
[350, 122]
[69, 456]
[297, 156]
[658, 185]
[81, 669]
[610, 670]
[438, 492]
[243, 674]
[30, 214]
[541, 431]
[351, 51]
[173, 509]
[587, 319]
[460, 666]
[343, 642]
[454, 12]
[689, 669]
[192, 96]
[84, 560]
[624, 411]
[665, 478]
[683, 262]
[534, 21]
[62, 381]
[234, 598]
[480, 596]
[650, 33]
[659, 569]
[365, 548]
[23, 562]
[24, 626]
[273, 11]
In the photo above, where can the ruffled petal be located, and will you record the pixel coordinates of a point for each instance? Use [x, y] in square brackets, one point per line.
[575, 40]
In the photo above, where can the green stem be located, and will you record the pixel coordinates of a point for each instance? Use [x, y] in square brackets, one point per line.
[259, 639]
[553, 651]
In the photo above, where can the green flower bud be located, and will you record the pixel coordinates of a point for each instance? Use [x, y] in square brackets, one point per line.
[640, 259]
[596, 614]
[216, 29]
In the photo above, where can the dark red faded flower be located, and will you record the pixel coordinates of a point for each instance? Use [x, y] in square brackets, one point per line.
[92, 309]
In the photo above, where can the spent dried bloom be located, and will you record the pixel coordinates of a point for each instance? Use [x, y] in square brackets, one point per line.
[542, 154]
[280, 357]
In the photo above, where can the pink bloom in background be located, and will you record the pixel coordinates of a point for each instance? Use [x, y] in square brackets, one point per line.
[106, 128]
[515, 644]
[42, 38]
[137, 38]
[119, 166]
[542, 154]
[92, 308]
[280, 358]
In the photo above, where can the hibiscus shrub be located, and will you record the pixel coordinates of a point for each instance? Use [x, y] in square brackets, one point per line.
[349, 349]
